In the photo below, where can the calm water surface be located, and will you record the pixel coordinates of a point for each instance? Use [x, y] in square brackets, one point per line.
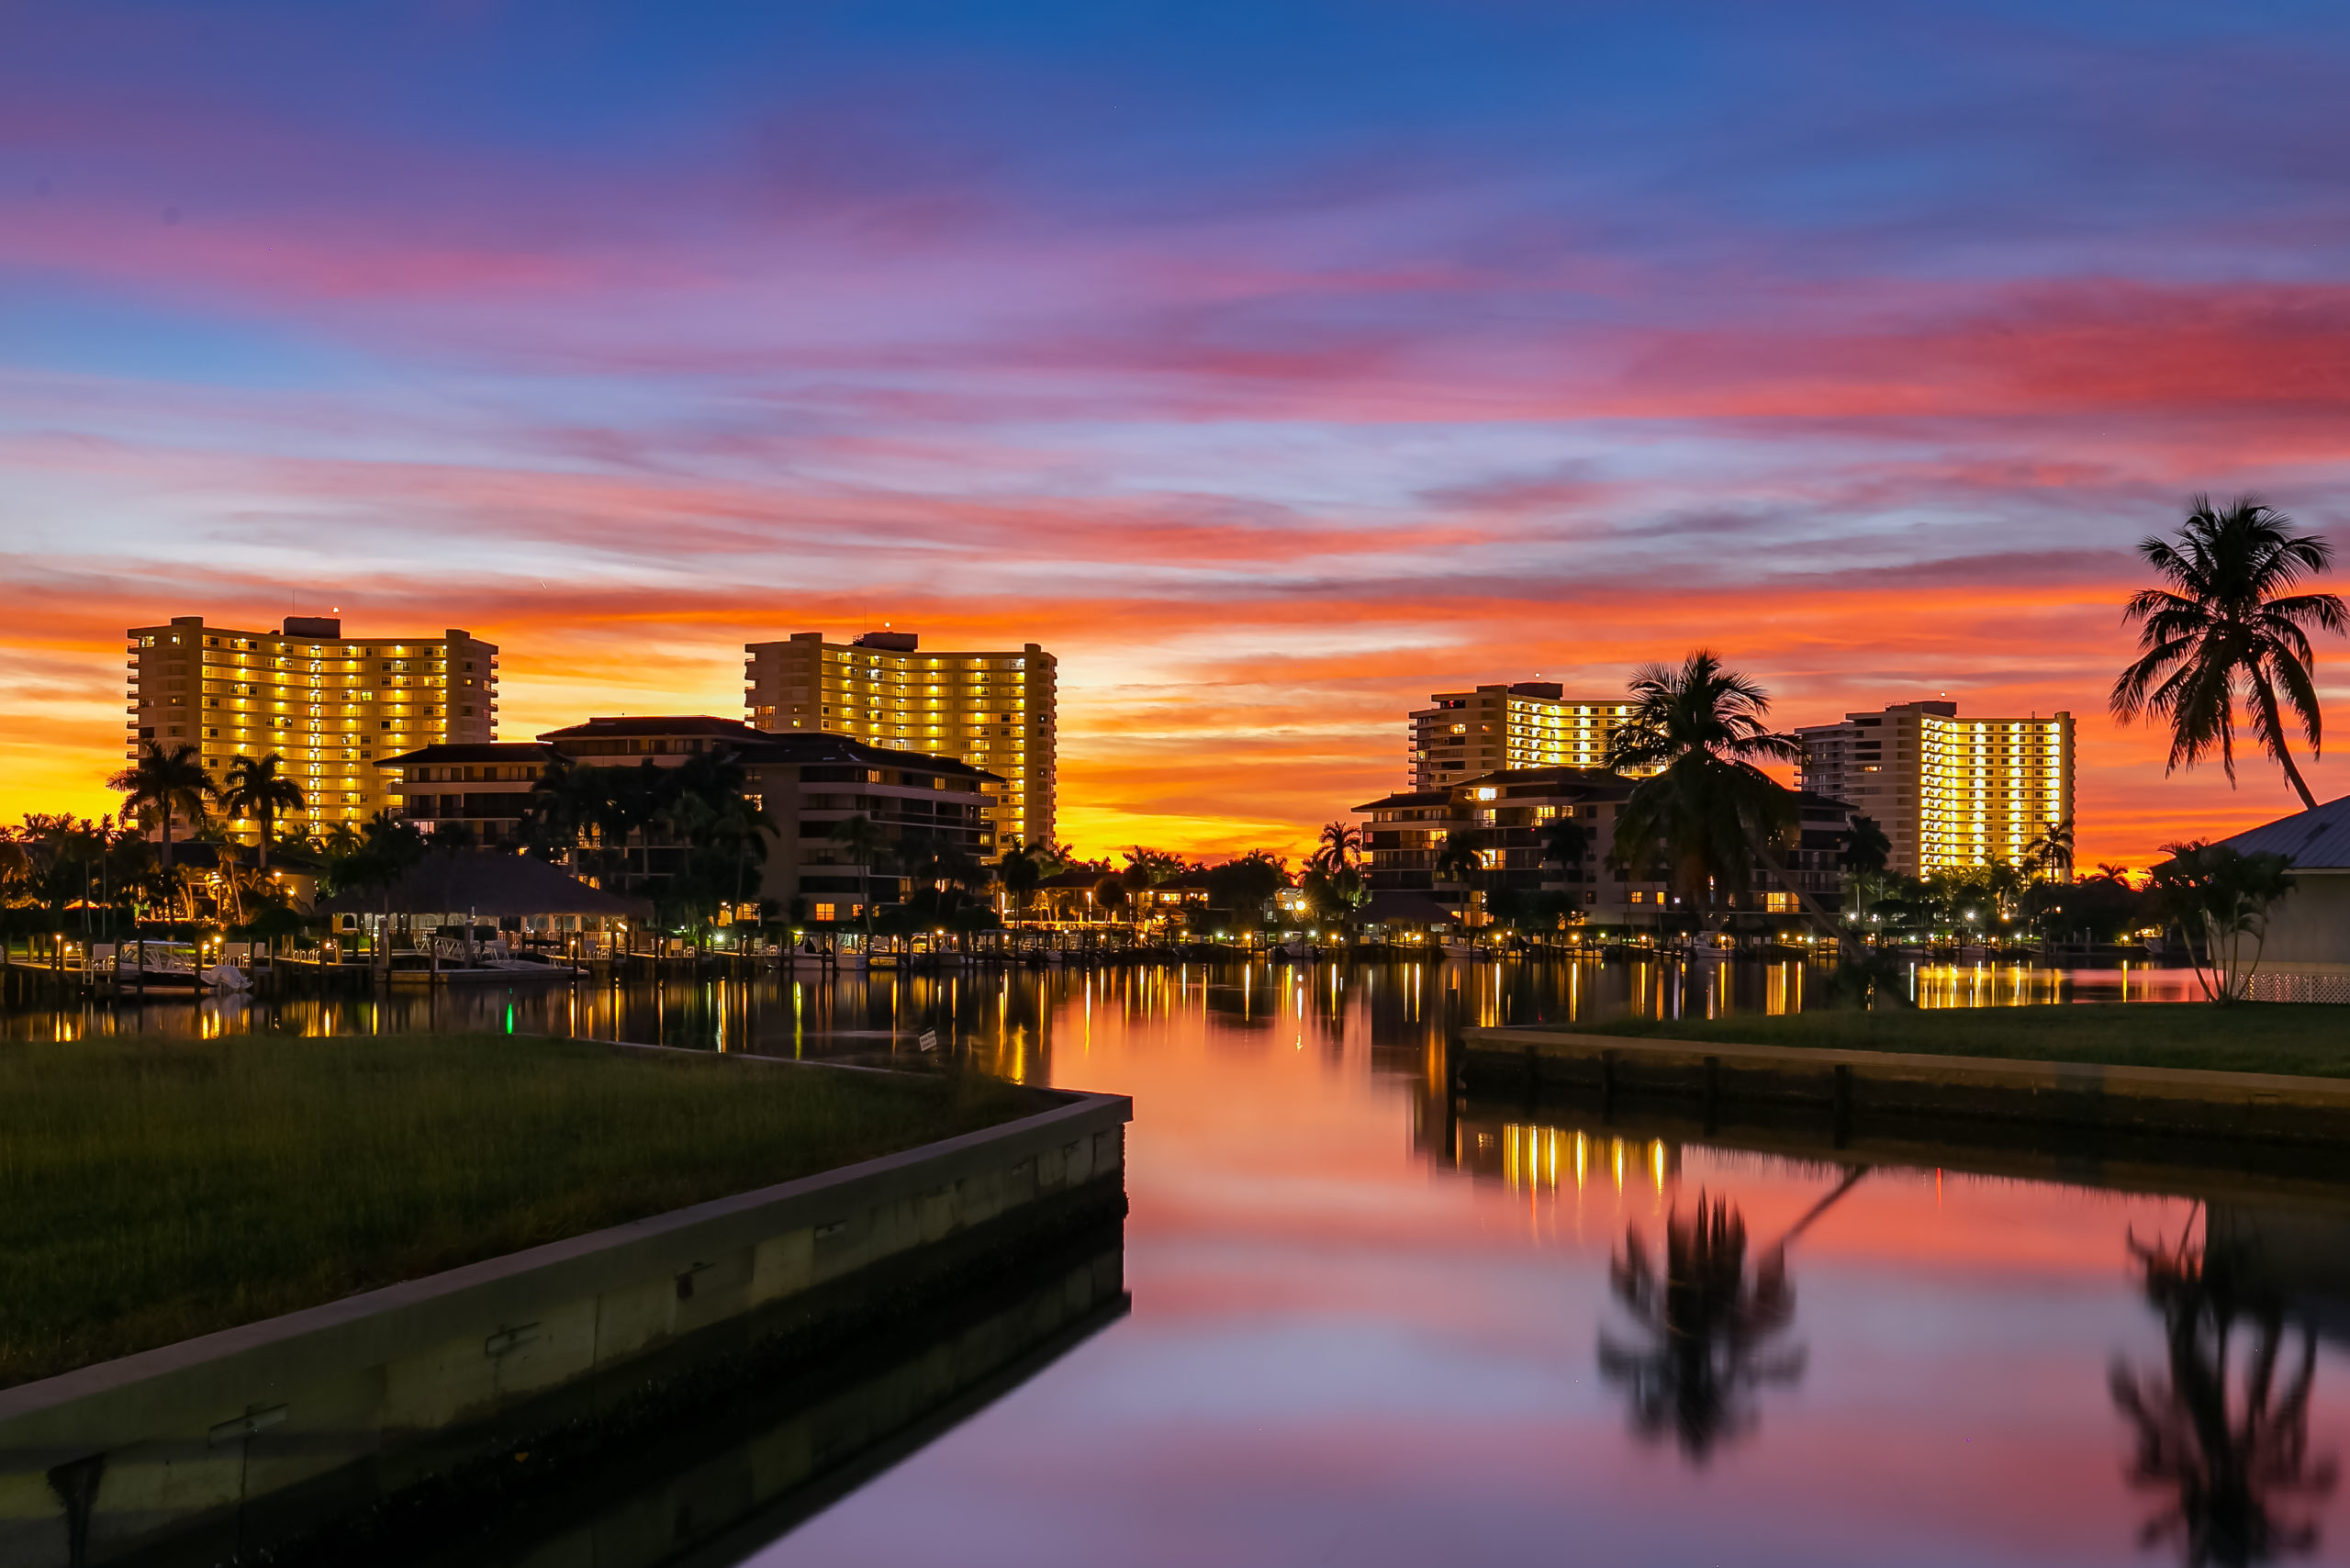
[1372, 1327]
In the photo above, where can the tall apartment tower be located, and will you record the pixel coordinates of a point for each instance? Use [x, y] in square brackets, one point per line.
[1530, 724]
[326, 704]
[1949, 792]
[994, 709]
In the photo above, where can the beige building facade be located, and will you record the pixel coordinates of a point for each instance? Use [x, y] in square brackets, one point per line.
[1950, 792]
[330, 706]
[1463, 735]
[995, 710]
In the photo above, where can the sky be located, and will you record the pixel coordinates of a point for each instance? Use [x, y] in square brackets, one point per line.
[1274, 365]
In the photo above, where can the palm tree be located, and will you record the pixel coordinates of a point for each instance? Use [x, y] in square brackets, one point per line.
[256, 788]
[1713, 810]
[1455, 860]
[387, 850]
[1341, 845]
[866, 846]
[1566, 841]
[171, 783]
[1866, 849]
[2224, 895]
[565, 801]
[2224, 630]
[1458, 856]
[1136, 881]
[2050, 851]
[1020, 875]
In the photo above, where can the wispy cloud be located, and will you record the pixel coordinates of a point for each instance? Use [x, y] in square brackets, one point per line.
[1272, 392]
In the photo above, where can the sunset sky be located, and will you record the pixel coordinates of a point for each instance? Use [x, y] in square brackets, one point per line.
[1273, 365]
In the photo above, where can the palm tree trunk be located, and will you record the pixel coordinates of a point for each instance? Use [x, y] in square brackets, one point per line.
[1804, 901]
[2293, 777]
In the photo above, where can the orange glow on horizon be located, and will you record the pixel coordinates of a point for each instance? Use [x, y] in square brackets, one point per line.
[1204, 746]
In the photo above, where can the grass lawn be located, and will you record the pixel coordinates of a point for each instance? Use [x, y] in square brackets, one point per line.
[153, 1190]
[2251, 1037]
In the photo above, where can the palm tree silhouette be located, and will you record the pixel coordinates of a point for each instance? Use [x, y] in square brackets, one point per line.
[1341, 846]
[1020, 874]
[2050, 851]
[1706, 1330]
[1713, 810]
[867, 846]
[258, 790]
[173, 782]
[2224, 1437]
[2224, 630]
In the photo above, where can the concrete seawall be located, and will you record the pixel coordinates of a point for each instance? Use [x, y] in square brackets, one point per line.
[2168, 1101]
[251, 1435]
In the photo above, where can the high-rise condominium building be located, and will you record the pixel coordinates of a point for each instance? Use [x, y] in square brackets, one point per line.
[329, 705]
[1530, 724]
[993, 711]
[1949, 792]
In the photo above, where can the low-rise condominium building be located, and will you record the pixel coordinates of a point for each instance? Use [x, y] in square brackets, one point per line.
[1506, 820]
[809, 784]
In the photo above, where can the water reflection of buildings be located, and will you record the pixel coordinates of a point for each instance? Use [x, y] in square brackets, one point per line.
[1528, 1158]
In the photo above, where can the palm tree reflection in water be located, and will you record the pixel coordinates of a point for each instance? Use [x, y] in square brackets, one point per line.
[2231, 1460]
[1707, 1327]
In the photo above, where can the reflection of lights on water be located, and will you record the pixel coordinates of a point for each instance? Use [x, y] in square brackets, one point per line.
[1534, 1157]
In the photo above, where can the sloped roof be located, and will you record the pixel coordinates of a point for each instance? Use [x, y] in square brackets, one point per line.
[756, 745]
[2317, 840]
[805, 746]
[490, 884]
[1408, 797]
[481, 751]
[657, 724]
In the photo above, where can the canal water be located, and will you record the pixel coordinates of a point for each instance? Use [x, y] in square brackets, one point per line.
[1370, 1324]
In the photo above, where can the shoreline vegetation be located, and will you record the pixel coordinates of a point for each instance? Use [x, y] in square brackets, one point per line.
[2303, 1039]
[154, 1190]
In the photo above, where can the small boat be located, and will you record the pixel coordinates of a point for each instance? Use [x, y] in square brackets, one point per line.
[1465, 951]
[163, 965]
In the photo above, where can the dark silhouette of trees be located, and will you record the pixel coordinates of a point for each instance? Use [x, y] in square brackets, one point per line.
[2221, 1428]
[2225, 630]
[257, 788]
[1707, 1329]
[170, 783]
[1708, 807]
